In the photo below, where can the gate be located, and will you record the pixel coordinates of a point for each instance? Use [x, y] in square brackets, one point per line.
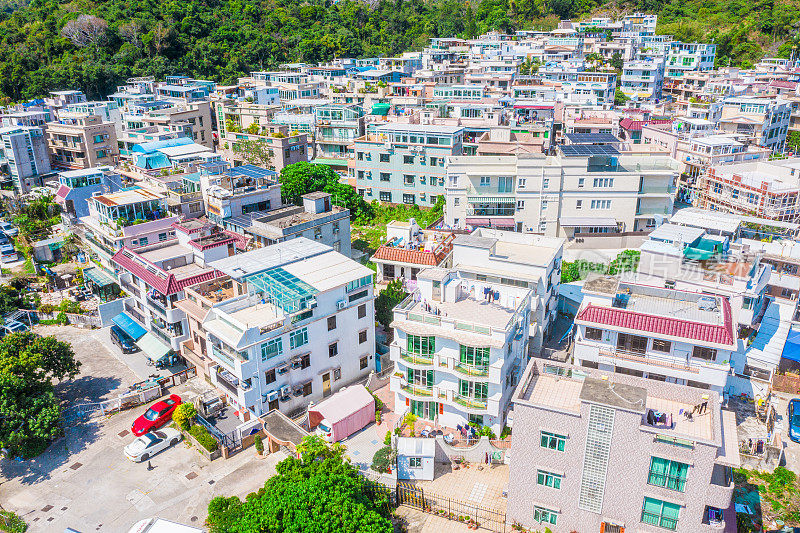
[411, 495]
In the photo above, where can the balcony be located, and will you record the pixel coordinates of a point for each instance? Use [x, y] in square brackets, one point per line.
[720, 490]
[230, 382]
[644, 358]
[416, 358]
[471, 403]
[157, 306]
[413, 389]
[471, 370]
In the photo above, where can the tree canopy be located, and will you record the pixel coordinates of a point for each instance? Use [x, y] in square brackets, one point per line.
[302, 178]
[321, 491]
[29, 410]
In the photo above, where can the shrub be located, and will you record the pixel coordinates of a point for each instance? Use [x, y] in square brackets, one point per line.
[410, 419]
[183, 415]
[47, 308]
[259, 444]
[387, 440]
[11, 523]
[203, 437]
[382, 460]
[378, 402]
[505, 433]
[61, 318]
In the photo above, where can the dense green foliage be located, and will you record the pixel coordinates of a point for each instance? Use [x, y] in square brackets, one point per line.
[320, 492]
[35, 218]
[382, 459]
[387, 299]
[29, 411]
[626, 261]
[93, 46]
[779, 493]
[203, 437]
[183, 415]
[298, 179]
[11, 523]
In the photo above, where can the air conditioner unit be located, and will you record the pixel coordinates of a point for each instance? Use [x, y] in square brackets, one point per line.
[272, 395]
[341, 304]
[286, 390]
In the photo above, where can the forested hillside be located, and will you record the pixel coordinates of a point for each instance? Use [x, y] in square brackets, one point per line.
[93, 46]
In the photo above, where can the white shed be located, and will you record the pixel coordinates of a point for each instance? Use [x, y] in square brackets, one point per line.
[415, 458]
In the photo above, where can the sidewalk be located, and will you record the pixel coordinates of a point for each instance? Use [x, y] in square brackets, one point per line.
[421, 522]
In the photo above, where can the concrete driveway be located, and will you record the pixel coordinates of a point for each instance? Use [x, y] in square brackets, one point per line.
[84, 481]
[791, 448]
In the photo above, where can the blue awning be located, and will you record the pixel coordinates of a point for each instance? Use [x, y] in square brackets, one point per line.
[791, 350]
[129, 326]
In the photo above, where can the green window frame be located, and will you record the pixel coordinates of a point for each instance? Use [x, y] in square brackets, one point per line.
[660, 513]
[548, 479]
[473, 389]
[419, 377]
[470, 355]
[271, 349]
[544, 515]
[421, 345]
[668, 474]
[553, 441]
[298, 338]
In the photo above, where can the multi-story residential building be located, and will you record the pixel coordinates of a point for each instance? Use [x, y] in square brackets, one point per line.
[78, 140]
[284, 147]
[337, 127]
[584, 189]
[75, 187]
[24, 153]
[231, 192]
[687, 57]
[107, 110]
[642, 80]
[59, 99]
[317, 219]
[131, 217]
[766, 189]
[294, 325]
[405, 163]
[459, 344]
[665, 334]
[600, 84]
[764, 121]
[190, 119]
[409, 249]
[578, 432]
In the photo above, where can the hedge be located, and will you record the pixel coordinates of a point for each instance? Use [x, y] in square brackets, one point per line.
[203, 437]
[11, 523]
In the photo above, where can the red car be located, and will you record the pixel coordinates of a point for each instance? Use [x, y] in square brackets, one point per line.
[159, 414]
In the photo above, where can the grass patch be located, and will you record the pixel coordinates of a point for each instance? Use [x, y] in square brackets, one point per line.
[779, 491]
[203, 437]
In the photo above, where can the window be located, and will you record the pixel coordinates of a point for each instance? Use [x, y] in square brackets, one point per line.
[384, 158]
[578, 204]
[469, 355]
[669, 474]
[305, 361]
[581, 182]
[603, 182]
[520, 205]
[701, 352]
[476, 419]
[298, 338]
[269, 376]
[358, 295]
[544, 204]
[545, 183]
[333, 349]
[362, 363]
[472, 389]
[486, 181]
[505, 184]
[661, 346]
[420, 345]
[548, 479]
[594, 334]
[553, 441]
[331, 323]
[415, 462]
[521, 182]
[542, 515]
[271, 349]
[362, 310]
[601, 204]
[307, 389]
[409, 199]
[337, 374]
[362, 337]
[385, 176]
[659, 513]
[385, 196]
[408, 159]
[162, 237]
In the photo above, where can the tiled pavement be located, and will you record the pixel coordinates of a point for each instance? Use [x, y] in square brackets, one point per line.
[420, 522]
[478, 484]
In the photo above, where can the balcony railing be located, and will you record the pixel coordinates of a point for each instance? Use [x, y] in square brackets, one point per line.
[416, 358]
[472, 403]
[231, 382]
[471, 370]
[618, 353]
[417, 390]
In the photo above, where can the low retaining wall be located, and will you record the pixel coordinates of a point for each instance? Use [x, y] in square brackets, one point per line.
[474, 454]
[216, 454]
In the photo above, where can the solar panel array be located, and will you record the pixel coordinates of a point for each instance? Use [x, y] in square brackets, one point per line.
[250, 171]
[592, 138]
[588, 149]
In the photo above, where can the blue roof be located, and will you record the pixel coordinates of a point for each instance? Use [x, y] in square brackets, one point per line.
[154, 146]
[251, 171]
[129, 326]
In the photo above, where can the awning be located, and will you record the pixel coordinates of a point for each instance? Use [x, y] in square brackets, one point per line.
[330, 162]
[478, 221]
[98, 277]
[491, 199]
[503, 223]
[129, 325]
[791, 350]
[153, 347]
[588, 222]
[381, 108]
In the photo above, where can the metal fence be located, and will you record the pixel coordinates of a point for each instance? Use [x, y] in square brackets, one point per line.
[30, 317]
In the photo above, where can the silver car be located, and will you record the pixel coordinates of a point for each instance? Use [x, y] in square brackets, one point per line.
[149, 444]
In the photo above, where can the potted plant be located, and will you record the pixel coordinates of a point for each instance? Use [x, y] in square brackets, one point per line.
[259, 444]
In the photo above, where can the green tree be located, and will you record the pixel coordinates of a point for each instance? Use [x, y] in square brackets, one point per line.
[620, 98]
[302, 178]
[29, 411]
[320, 491]
[254, 151]
[387, 299]
[183, 415]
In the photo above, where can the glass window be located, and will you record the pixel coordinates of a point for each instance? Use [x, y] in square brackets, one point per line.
[701, 352]
[298, 338]
[333, 349]
[594, 334]
[362, 310]
[415, 462]
[474, 356]
[421, 345]
[553, 441]
[542, 515]
[661, 346]
[331, 323]
[669, 474]
[271, 349]
[660, 513]
[362, 363]
[548, 479]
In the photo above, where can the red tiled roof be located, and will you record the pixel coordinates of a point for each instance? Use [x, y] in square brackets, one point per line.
[164, 282]
[636, 125]
[212, 244]
[784, 84]
[241, 240]
[660, 325]
[414, 257]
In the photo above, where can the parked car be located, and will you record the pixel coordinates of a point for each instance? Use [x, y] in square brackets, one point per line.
[8, 228]
[4, 239]
[159, 414]
[123, 340]
[7, 253]
[149, 444]
[794, 419]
